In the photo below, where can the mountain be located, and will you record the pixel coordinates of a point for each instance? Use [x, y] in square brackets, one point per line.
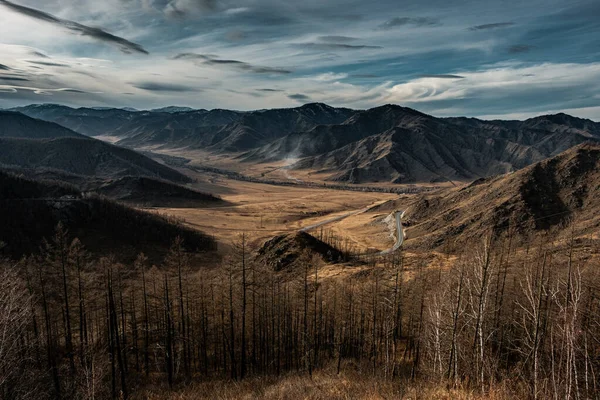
[86, 121]
[186, 129]
[30, 143]
[31, 209]
[172, 109]
[227, 131]
[545, 196]
[82, 156]
[16, 125]
[383, 144]
[218, 130]
[401, 145]
[156, 193]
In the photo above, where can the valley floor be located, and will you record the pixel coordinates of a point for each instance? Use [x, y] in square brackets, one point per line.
[262, 211]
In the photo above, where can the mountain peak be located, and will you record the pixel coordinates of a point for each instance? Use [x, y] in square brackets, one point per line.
[320, 106]
[397, 108]
[173, 109]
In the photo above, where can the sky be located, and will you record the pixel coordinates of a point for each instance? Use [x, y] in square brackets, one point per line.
[483, 58]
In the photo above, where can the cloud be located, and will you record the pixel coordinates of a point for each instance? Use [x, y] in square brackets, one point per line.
[183, 8]
[270, 90]
[442, 76]
[299, 97]
[330, 76]
[236, 35]
[163, 87]
[49, 64]
[337, 39]
[37, 90]
[503, 88]
[13, 78]
[96, 33]
[409, 21]
[206, 59]
[238, 10]
[39, 54]
[70, 90]
[4, 68]
[491, 26]
[338, 46]
[363, 76]
[520, 48]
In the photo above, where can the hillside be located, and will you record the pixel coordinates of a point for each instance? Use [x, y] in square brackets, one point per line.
[30, 210]
[543, 197]
[295, 250]
[16, 125]
[82, 156]
[156, 193]
[29, 143]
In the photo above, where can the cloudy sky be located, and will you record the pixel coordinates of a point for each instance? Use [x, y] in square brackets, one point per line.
[486, 58]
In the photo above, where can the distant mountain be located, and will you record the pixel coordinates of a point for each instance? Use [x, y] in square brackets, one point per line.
[384, 144]
[262, 127]
[544, 196]
[30, 143]
[397, 144]
[113, 108]
[186, 129]
[226, 131]
[173, 109]
[86, 121]
[218, 130]
[30, 211]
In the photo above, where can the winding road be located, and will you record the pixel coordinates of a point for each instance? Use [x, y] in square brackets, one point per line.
[399, 234]
[399, 230]
[335, 219]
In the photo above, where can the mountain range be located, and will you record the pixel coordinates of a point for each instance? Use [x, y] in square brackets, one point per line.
[30, 143]
[547, 196]
[384, 144]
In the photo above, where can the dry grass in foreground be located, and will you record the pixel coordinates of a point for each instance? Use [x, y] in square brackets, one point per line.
[324, 385]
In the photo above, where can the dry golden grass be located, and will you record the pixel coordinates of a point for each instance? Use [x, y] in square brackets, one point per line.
[263, 211]
[324, 385]
[366, 231]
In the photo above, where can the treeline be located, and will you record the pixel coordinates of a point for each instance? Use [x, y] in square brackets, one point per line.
[523, 319]
[31, 209]
[299, 183]
[25, 222]
[14, 186]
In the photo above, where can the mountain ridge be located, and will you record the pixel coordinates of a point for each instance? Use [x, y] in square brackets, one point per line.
[389, 143]
[545, 196]
[29, 143]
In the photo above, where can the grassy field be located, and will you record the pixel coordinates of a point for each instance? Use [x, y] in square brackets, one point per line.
[323, 385]
[263, 211]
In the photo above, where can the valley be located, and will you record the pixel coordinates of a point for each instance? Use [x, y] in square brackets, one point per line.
[299, 200]
[263, 211]
[206, 247]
